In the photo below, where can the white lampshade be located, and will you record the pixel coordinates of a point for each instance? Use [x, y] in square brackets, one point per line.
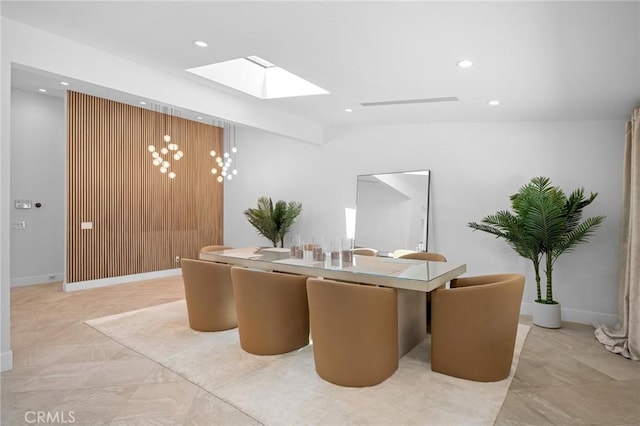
[220, 178]
[214, 171]
[172, 175]
[164, 151]
[163, 170]
[212, 153]
[151, 148]
[167, 138]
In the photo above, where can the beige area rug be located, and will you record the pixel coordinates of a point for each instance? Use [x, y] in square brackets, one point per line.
[285, 389]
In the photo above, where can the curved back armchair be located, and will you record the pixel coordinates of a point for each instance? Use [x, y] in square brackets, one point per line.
[424, 255]
[214, 248]
[209, 295]
[401, 252]
[355, 332]
[364, 251]
[272, 309]
[429, 257]
[474, 325]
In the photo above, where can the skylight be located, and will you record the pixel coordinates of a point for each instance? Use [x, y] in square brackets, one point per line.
[258, 77]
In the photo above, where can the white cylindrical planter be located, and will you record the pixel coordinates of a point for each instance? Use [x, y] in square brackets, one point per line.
[547, 315]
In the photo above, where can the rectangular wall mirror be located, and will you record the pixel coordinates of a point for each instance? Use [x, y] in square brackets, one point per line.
[392, 211]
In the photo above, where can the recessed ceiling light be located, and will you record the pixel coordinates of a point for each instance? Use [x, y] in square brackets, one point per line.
[464, 63]
[200, 43]
[348, 110]
[199, 118]
[42, 90]
[494, 103]
[143, 103]
[64, 83]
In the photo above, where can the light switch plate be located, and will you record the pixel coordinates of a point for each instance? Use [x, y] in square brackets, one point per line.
[19, 225]
[22, 204]
[86, 225]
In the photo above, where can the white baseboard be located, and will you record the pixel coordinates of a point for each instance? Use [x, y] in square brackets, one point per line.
[104, 282]
[577, 315]
[37, 279]
[6, 361]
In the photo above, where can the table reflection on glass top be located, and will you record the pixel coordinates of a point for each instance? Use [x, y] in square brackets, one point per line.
[408, 274]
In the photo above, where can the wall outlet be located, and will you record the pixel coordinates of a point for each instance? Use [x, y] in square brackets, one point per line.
[177, 259]
[86, 225]
[19, 225]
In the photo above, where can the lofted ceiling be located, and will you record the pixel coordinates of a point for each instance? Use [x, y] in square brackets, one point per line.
[541, 60]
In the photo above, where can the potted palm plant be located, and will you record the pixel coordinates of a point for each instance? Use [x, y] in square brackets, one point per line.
[544, 224]
[273, 221]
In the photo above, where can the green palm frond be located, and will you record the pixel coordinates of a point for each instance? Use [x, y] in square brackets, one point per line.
[545, 221]
[505, 225]
[261, 219]
[578, 235]
[291, 212]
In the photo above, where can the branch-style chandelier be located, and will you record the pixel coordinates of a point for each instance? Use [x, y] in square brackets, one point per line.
[226, 164]
[162, 156]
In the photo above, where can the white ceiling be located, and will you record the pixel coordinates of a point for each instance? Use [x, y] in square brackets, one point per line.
[542, 60]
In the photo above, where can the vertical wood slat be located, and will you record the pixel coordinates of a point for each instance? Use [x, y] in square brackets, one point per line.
[141, 218]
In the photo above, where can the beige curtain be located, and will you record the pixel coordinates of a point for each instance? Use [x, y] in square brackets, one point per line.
[624, 338]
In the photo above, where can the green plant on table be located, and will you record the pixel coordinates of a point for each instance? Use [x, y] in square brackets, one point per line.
[273, 221]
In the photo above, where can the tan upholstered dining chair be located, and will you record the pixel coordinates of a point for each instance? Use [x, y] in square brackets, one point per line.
[209, 295]
[365, 251]
[425, 255]
[272, 309]
[474, 325]
[401, 252]
[213, 248]
[429, 257]
[354, 329]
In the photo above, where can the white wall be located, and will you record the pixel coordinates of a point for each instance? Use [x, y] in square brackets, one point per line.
[288, 170]
[37, 174]
[475, 167]
[6, 357]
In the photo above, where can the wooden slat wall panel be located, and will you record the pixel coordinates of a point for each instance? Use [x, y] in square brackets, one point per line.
[141, 219]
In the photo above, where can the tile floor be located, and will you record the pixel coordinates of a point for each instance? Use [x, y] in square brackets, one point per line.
[66, 369]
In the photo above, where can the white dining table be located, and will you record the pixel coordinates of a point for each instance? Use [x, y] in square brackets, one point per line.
[412, 279]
